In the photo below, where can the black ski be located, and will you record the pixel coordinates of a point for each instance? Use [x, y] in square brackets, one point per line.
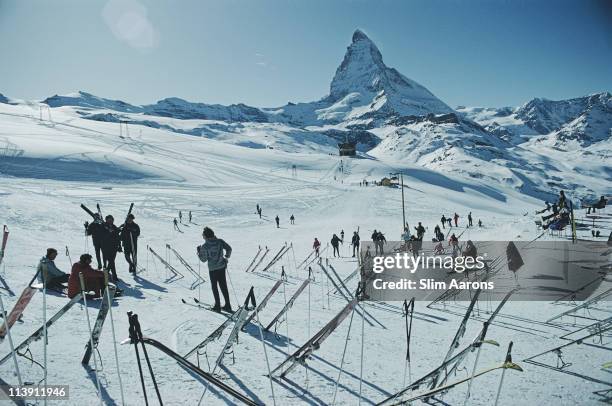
[97, 328]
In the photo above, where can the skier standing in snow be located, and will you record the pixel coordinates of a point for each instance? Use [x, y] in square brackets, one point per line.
[190, 217]
[55, 278]
[277, 222]
[316, 245]
[456, 218]
[96, 230]
[381, 240]
[335, 242]
[176, 227]
[212, 252]
[342, 236]
[449, 221]
[443, 221]
[94, 280]
[129, 237]
[479, 223]
[375, 241]
[420, 231]
[355, 243]
[292, 219]
[470, 219]
[181, 216]
[111, 244]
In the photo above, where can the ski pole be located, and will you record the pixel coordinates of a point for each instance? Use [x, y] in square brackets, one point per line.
[501, 380]
[110, 311]
[467, 395]
[134, 340]
[263, 343]
[144, 350]
[348, 333]
[45, 342]
[362, 345]
[82, 282]
[68, 255]
[10, 338]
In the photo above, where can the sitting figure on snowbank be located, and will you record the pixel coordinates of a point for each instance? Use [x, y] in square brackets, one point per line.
[48, 272]
[212, 252]
[94, 280]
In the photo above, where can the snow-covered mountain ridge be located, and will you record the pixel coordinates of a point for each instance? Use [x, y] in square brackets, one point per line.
[537, 147]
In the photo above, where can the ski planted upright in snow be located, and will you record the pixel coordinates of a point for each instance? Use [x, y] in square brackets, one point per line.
[39, 333]
[97, 328]
[288, 305]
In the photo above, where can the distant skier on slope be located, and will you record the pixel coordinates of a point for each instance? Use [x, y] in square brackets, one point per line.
[316, 245]
[94, 280]
[277, 222]
[355, 243]
[335, 242]
[212, 252]
[456, 218]
[342, 236]
[181, 216]
[449, 221]
[443, 221]
[480, 223]
[292, 219]
[190, 217]
[470, 219]
[130, 232]
[111, 244]
[420, 230]
[55, 278]
[176, 227]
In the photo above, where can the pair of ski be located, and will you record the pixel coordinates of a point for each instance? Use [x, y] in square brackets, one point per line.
[507, 364]
[201, 305]
[19, 308]
[252, 268]
[136, 338]
[284, 249]
[348, 296]
[175, 274]
[199, 280]
[39, 333]
[98, 324]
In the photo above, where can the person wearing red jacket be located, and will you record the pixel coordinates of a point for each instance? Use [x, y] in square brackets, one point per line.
[94, 280]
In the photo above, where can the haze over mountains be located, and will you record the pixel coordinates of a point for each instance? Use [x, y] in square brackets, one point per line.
[536, 148]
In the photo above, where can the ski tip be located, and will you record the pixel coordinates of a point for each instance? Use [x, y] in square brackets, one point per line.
[183, 300]
[512, 365]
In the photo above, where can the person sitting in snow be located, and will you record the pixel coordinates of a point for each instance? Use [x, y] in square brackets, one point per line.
[94, 280]
[49, 273]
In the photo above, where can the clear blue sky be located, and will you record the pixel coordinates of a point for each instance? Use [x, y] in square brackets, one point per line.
[267, 52]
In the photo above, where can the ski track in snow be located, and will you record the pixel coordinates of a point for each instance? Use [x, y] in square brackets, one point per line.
[221, 184]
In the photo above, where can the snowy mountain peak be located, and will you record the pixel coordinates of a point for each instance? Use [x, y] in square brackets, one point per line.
[364, 76]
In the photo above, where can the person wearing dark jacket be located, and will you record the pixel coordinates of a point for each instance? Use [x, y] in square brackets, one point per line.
[94, 280]
[277, 222]
[380, 242]
[130, 232]
[443, 221]
[335, 242]
[96, 230]
[48, 271]
[355, 243]
[212, 252]
[470, 219]
[420, 231]
[111, 244]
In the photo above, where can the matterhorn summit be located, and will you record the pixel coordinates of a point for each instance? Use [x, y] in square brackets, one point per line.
[363, 75]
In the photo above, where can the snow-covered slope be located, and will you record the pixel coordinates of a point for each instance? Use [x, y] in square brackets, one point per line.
[48, 168]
